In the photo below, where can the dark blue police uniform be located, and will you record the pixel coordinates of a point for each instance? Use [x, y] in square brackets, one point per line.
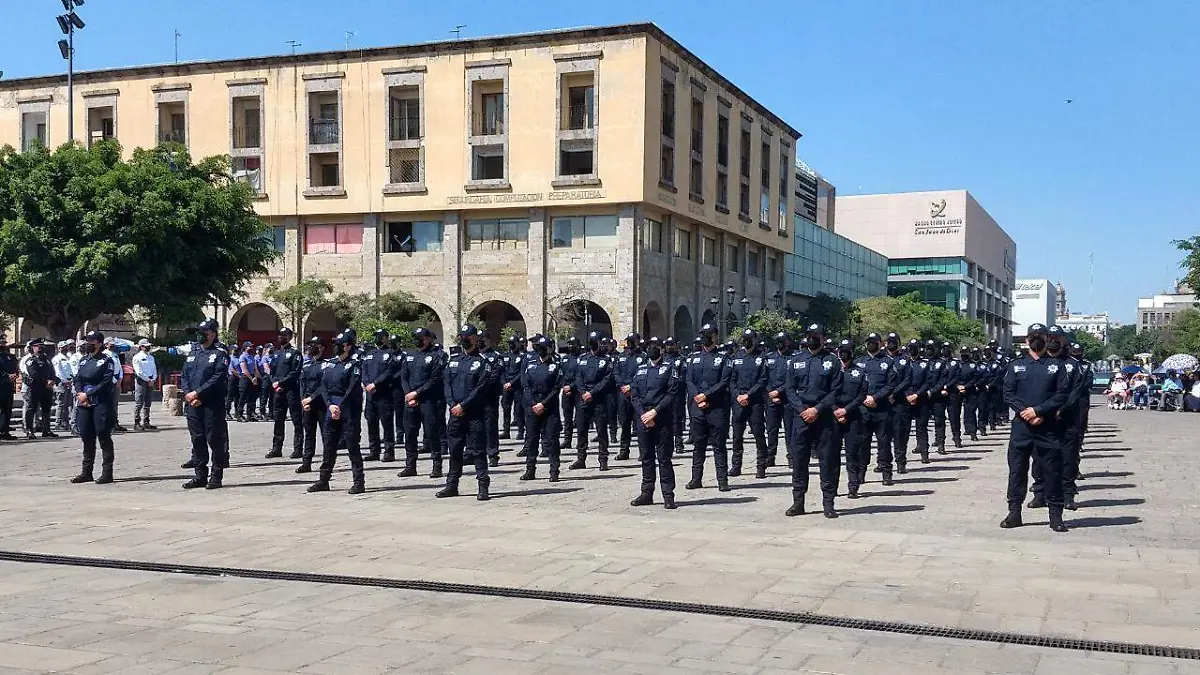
[94, 379]
[467, 380]
[708, 374]
[378, 368]
[341, 386]
[654, 387]
[286, 365]
[593, 377]
[423, 371]
[748, 377]
[542, 383]
[314, 416]
[204, 373]
[813, 382]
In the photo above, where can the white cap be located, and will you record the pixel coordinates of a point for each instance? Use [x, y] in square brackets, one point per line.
[143, 342]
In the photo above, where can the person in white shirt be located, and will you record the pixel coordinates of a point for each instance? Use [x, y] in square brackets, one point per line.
[145, 374]
[62, 391]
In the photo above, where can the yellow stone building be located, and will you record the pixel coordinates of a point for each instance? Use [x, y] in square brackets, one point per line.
[606, 169]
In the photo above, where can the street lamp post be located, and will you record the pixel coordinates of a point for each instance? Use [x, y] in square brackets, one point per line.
[69, 23]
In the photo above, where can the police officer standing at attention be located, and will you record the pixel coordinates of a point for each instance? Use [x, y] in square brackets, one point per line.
[93, 386]
[398, 405]
[847, 416]
[570, 366]
[593, 383]
[777, 415]
[541, 385]
[924, 379]
[377, 369]
[513, 364]
[314, 413]
[987, 388]
[423, 388]
[467, 379]
[248, 382]
[341, 393]
[881, 382]
[901, 416]
[672, 357]
[286, 365]
[812, 386]
[976, 374]
[708, 375]
[39, 379]
[627, 366]
[204, 376]
[1065, 423]
[8, 381]
[1036, 387]
[956, 385]
[654, 400]
[747, 384]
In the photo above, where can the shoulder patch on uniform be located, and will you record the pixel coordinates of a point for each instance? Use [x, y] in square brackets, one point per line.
[475, 365]
[883, 365]
[855, 373]
[1052, 368]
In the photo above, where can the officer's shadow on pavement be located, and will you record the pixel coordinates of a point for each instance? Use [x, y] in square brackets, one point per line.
[930, 479]
[1098, 521]
[1095, 503]
[928, 468]
[535, 492]
[264, 484]
[880, 508]
[1107, 486]
[716, 501]
[152, 479]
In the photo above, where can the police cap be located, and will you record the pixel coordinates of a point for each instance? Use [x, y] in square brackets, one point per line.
[654, 341]
[815, 329]
[1036, 329]
[697, 341]
[669, 342]
[931, 343]
[419, 333]
[94, 336]
[750, 333]
[286, 332]
[993, 344]
[782, 337]
[874, 337]
[594, 338]
[846, 343]
[346, 337]
[1055, 330]
[633, 339]
[914, 342]
[207, 326]
[708, 329]
[572, 341]
[514, 339]
[380, 333]
[317, 340]
[893, 337]
[469, 330]
[247, 343]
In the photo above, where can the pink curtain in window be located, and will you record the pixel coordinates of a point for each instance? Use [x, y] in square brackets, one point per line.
[349, 238]
[322, 239]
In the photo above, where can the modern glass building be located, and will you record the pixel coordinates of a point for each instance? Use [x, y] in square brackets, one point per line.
[948, 293]
[826, 262]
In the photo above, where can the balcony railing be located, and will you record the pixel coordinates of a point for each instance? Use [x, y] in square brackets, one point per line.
[323, 132]
[579, 116]
[486, 124]
[173, 136]
[404, 129]
[247, 137]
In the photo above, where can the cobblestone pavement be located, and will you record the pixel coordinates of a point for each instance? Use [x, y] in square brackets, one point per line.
[926, 551]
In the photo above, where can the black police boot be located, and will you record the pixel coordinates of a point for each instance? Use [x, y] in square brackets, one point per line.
[305, 466]
[106, 476]
[49, 434]
[694, 484]
[770, 461]
[853, 492]
[483, 494]
[504, 436]
[1069, 503]
[137, 426]
[983, 431]
[580, 463]
[84, 477]
[447, 491]
[29, 436]
[669, 502]
[723, 486]
[529, 474]
[494, 461]
[925, 457]
[887, 479]
[877, 469]
[958, 443]
[1013, 519]
[275, 454]
[373, 456]
[1056, 521]
[437, 468]
[622, 454]
[296, 454]
[604, 464]
[829, 511]
[543, 454]
[554, 477]
[735, 466]
[214, 480]
[522, 452]
[520, 435]
[190, 464]
[388, 456]
[796, 509]
[941, 448]
[409, 471]
[974, 438]
[902, 468]
[322, 485]
[1038, 502]
[761, 472]
[198, 481]
[643, 499]
[148, 427]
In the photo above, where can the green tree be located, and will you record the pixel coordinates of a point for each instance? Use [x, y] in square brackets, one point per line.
[1183, 335]
[1128, 341]
[769, 322]
[397, 312]
[84, 233]
[911, 318]
[1191, 260]
[299, 300]
[829, 311]
[1093, 348]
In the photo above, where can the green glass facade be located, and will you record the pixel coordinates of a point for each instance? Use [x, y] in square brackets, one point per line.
[903, 266]
[950, 293]
[825, 262]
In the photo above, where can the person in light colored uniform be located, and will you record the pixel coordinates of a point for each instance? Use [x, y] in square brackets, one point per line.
[145, 374]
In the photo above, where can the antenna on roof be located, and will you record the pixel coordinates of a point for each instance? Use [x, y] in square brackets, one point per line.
[349, 36]
[294, 44]
[457, 30]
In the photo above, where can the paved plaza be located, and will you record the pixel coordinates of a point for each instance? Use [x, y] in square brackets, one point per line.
[927, 551]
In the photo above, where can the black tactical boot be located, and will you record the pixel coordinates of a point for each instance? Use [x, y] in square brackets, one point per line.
[925, 457]
[198, 481]
[577, 464]
[887, 480]
[669, 502]
[373, 456]
[447, 492]
[388, 457]
[1069, 503]
[1038, 502]
[623, 454]
[85, 477]
[901, 468]
[274, 454]
[694, 484]
[296, 454]
[190, 464]
[494, 461]
[522, 453]
[106, 477]
[1056, 522]
[796, 509]
[529, 474]
[1013, 519]
[643, 499]
[214, 480]
[853, 493]
[437, 468]
[958, 443]
[975, 438]
[941, 448]
[830, 512]
[410, 470]
[305, 467]
[356, 489]
[604, 464]
[322, 485]
[760, 473]
[483, 494]
[554, 476]
[723, 486]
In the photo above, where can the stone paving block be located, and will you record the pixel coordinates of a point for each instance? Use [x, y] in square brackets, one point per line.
[31, 657]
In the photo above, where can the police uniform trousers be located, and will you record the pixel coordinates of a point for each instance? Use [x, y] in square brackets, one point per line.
[568, 418]
[999, 410]
[37, 408]
[314, 428]
[283, 403]
[754, 416]
[265, 389]
[848, 435]
[971, 411]
[379, 412]
[921, 412]
[778, 415]
[710, 426]
[877, 426]
[491, 422]
[983, 414]
[94, 425]
[1041, 446]
[547, 428]
[655, 447]
[587, 412]
[427, 415]
[625, 415]
[210, 435]
[399, 406]
[232, 393]
[466, 439]
[511, 400]
[807, 440]
[7, 394]
[954, 410]
[939, 407]
[247, 392]
[901, 418]
[679, 419]
[63, 396]
[344, 432]
[611, 413]
[1071, 438]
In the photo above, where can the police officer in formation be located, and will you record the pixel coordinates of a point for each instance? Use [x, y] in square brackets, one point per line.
[654, 396]
[627, 364]
[286, 366]
[777, 417]
[848, 413]
[747, 384]
[708, 376]
[814, 378]
[541, 386]
[877, 423]
[467, 380]
[378, 370]
[594, 385]
[422, 370]
[204, 379]
[314, 413]
[512, 365]
[570, 366]
[93, 393]
[341, 393]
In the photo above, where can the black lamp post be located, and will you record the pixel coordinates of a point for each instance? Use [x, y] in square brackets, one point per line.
[778, 298]
[69, 23]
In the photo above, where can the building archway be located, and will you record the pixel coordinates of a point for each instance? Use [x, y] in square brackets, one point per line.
[323, 323]
[581, 317]
[496, 315]
[709, 316]
[654, 322]
[257, 322]
[683, 326]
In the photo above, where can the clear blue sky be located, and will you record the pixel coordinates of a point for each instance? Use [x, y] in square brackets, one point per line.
[890, 96]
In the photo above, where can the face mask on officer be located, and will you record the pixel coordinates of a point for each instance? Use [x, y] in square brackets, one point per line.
[87, 348]
[542, 349]
[654, 352]
[814, 342]
[707, 340]
[1037, 343]
[1054, 345]
[872, 346]
[845, 354]
[468, 343]
[207, 337]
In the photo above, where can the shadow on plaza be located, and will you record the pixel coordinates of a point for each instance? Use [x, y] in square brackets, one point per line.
[1103, 455]
[153, 479]
[930, 479]
[281, 483]
[1095, 503]
[1108, 474]
[881, 508]
[1107, 486]
[929, 468]
[715, 501]
[897, 493]
[535, 492]
[1096, 521]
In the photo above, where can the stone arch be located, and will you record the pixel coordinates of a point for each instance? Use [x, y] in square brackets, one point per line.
[583, 317]
[654, 321]
[322, 322]
[257, 322]
[684, 326]
[496, 315]
[709, 316]
[435, 316]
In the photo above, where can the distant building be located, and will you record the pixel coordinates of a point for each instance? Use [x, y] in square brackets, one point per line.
[815, 197]
[1034, 301]
[941, 245]
[1098, 325]
[1159, 311]
[1060, 307]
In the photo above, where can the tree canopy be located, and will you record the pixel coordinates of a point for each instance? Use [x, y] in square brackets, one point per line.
[1191, 260]
[84, 233]
[911, 318]
[1093, 348]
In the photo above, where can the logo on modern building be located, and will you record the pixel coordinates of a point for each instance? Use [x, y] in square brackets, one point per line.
[1027, 286]
[937, 209]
